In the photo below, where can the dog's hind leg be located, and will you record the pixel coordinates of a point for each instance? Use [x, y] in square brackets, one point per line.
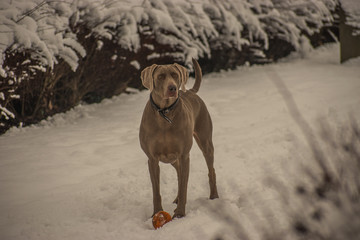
[204, 141]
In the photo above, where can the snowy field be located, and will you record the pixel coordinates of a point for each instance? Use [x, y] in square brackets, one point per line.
[82, 174]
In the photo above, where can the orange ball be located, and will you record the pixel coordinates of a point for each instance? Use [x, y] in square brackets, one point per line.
[160, 218]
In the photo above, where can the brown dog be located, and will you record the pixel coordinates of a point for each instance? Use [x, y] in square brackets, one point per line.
[170, 120]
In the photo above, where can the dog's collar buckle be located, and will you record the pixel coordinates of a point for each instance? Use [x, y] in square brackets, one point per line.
[163, 111]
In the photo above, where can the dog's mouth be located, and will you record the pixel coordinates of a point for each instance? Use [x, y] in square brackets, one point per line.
[171, 94]
[171, 91]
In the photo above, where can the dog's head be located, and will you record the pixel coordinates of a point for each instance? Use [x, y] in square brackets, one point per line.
[165, 80]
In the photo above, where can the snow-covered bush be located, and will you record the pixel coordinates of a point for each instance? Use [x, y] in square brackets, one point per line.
[42, 27]
[34, 37]
[352, 11]
[54, 54]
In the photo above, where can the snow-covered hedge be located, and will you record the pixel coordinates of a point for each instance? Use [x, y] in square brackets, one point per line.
[86, 46]
[352, 11]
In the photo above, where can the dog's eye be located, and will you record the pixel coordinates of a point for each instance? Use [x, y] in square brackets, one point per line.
[174, 76]
[161, 77]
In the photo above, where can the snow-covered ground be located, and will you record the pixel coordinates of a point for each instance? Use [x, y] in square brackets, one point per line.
[82, 174]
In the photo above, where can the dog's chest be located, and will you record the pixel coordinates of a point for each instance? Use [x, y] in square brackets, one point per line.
[163, 140]
[166, 143]
[167, 146]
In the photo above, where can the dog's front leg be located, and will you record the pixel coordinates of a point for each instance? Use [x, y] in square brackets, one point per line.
[154, 170]
[183, 177]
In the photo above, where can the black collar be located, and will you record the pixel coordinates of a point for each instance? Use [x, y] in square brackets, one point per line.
[163, 111]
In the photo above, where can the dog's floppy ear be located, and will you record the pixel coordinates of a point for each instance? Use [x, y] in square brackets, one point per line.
[147, 77]
[184, 75]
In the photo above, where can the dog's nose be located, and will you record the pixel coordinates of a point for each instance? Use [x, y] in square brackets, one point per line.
[172, 88]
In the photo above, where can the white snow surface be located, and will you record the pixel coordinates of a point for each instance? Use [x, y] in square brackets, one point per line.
[82, 175]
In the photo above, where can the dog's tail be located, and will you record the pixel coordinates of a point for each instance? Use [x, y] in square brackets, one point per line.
[198, 76]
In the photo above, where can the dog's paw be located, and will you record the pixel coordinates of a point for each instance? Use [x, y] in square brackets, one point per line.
[214, 196]
[179, 213]
[156, 211]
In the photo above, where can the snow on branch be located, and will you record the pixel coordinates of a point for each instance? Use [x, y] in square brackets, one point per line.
[352, 11]
[44, 26]
[40, 26]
